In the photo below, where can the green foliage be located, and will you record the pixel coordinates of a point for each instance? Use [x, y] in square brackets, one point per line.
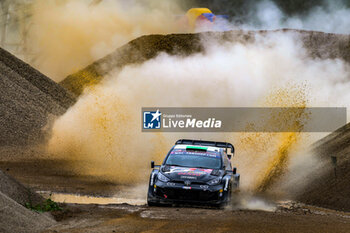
[48, 205]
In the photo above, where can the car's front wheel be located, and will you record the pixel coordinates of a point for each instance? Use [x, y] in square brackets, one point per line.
[151, 198]
[150, 203]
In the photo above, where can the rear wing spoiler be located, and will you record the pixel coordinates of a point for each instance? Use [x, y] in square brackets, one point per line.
[225, 145]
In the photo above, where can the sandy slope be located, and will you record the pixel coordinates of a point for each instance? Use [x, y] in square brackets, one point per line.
[28, 99]
[318, 44]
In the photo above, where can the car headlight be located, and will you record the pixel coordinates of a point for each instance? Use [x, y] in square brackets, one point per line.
[214, 181]
[162, 177]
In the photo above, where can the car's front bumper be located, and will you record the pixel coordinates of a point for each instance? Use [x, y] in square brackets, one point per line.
[169, 192]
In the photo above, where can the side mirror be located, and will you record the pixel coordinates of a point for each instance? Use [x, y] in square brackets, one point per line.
[234, 170]
[152, 164]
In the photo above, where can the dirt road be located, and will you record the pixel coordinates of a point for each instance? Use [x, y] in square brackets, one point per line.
[125, 218]
[54, 176]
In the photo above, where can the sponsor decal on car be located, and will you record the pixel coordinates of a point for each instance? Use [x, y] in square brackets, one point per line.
[198, 153]
[226, 184]
[190, 172]
[152, 179]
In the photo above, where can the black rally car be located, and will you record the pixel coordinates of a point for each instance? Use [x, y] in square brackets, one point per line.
[194, 171]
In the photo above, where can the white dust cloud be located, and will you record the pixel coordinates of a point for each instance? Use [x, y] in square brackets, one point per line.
[330, 16]
[102, 131]
[255, 203]
[62, 37]
[66, 36]
[303, 165]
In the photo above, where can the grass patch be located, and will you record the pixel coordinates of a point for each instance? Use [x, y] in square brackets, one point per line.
[48, 205]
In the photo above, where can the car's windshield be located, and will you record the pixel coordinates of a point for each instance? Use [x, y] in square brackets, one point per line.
[183, 158]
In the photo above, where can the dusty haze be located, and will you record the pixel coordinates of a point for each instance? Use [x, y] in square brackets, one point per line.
[65, 36]
[103, 128]
[69, 35]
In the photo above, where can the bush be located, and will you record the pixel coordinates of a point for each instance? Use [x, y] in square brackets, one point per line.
[48, 205]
